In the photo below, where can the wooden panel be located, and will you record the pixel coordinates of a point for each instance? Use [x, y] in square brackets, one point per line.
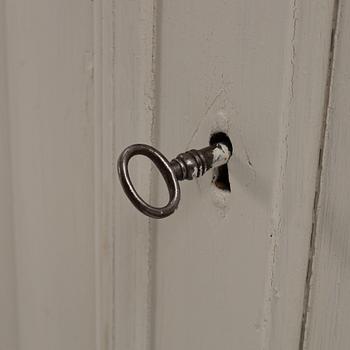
[329, 307]
[50, 66]
[8, 324]
[303, 113]
[230, 268]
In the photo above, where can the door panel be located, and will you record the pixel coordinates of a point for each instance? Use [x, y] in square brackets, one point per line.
[230, 267]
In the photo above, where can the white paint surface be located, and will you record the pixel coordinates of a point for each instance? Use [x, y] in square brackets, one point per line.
[83, 269]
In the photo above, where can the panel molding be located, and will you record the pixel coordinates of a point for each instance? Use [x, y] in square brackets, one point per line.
[103, 173]
[125, 113]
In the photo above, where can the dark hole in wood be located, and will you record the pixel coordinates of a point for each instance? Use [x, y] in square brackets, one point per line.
[221, 177]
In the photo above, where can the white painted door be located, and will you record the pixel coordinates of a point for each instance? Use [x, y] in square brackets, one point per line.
[263, 266]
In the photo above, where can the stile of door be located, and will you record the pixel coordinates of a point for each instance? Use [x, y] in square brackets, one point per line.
[328, 309]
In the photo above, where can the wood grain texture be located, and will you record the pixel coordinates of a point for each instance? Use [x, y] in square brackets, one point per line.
[329, 307]
[230, 268]
[8, 314]
[50, 78]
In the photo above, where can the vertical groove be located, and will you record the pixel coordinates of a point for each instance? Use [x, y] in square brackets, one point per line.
[97, 44]
[113, 199]
[307, 289]
[154, 173]
[11, 331]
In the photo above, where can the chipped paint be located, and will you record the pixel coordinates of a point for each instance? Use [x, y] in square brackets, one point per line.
[220, 200]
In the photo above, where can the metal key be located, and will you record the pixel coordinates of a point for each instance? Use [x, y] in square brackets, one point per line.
[186, 166]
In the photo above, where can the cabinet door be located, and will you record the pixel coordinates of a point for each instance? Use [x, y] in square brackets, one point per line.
[329, 279]
[228, 269]
[232, 268]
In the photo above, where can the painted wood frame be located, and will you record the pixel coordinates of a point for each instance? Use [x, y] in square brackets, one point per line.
[84, 80]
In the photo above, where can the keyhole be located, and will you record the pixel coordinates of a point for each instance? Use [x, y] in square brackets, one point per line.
[221, 177]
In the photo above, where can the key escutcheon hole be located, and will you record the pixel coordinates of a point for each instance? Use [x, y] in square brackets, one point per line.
[221, 177]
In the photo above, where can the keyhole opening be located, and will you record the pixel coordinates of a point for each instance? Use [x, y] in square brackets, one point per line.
[221, 178]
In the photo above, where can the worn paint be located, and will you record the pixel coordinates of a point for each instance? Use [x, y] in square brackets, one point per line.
[221, 155]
